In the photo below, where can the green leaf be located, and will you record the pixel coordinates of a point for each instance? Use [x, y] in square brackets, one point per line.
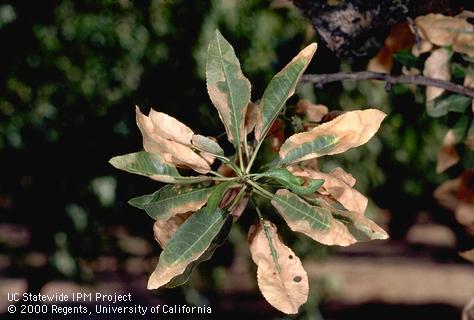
[174, 199]
[152, 165]
[442, 105]
[141, 201]
[227, 86]
[405, 58]
[216, 242]
[207, 144]
[292, 182]
[189, 243]
[458, 70]
[280, 88]
[319, 146]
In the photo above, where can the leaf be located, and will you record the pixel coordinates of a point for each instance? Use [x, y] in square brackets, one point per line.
[151, 165]
[284, 286]
[292, 182]
[174, 199]
[172, 151]
[315, 222]
[437, 67]
[407, 59]
[163, 230]
[280, 88]
[447, 155]
[442, 105]
[207, 144]
[468, 255]
[187, 244]
[141, 201]
[349, 197]
[344, 176]
[349, 130]
[442, 30]
[169, 128]
[251, 117]
[216, 242]
[228, 88]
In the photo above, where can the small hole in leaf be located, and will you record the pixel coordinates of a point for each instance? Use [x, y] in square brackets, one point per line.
[290, 256]
[297, 279]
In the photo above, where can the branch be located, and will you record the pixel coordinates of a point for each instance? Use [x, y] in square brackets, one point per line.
[321, 79]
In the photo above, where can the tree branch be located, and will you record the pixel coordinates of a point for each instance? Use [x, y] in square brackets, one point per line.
[321, 79]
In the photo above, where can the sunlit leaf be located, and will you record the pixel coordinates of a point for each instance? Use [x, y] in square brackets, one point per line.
[228, 88]
[315, 222]
[442, 30]
[172, 151]
[173, 199]
[169, 128]
[284, 286]
[152, 165]
[349, 130]
[280, 88]
[468, 255]
[187, 244]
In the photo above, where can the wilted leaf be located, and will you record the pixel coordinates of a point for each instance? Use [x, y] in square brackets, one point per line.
[172, 150]
[425, 46]
[315, 222]
[349, 130]
[174, 199]
[152, 165]
[442, 30]
[284, 286]
[447, 155]
[437, 67]
[207, 144]
[169, 128]
[344, 176]
[228, 88]
[349, 197]
[280, 88]
[163, 230]
[187, 244]
[314, 112]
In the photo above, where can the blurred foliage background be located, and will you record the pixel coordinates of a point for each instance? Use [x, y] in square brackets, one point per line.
[71, 73]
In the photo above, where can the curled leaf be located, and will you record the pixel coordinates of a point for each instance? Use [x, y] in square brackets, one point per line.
[349, 130]
[175, 150]
[170, 128]
[282, 281]
[442, 30]
[252, 116]
[207, 145]
[314, 112]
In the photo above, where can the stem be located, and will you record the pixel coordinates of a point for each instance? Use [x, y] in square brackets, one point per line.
[217, 174]
[260, 190]
[241, 159]
[254, 155]
[321, 79]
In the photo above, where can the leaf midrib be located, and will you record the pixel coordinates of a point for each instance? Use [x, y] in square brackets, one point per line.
[279, 198]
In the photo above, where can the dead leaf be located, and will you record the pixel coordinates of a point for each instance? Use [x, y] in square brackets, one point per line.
[252, 116]
[465, 215]
[172, 151]
[284, 286]
[441, 30]
[468, 255]
[464, 43]
[400, 37]
[349, 130]
[469, 82]
[314, 112]
[164, 229]
[344, 176]
[339, 189]
[437, 67]
[425, 46]
[447, 155]
[170, 128]
[239, 209]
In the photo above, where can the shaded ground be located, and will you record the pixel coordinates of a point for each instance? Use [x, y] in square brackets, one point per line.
[421, 278]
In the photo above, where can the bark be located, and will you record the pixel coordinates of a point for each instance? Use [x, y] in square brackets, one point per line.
[356, 28]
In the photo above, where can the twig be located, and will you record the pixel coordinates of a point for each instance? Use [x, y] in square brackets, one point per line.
[321, 79]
